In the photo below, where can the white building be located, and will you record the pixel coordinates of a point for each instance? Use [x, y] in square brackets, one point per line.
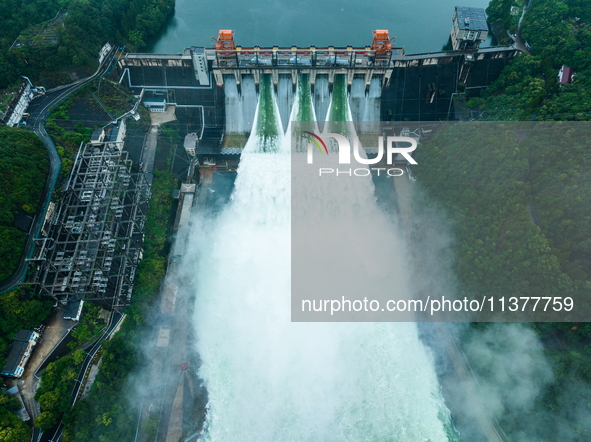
[22, 346]
[111, 133]
[18, 105]
[190, 143]
[200, 65]
[469, 28]
[155, 104]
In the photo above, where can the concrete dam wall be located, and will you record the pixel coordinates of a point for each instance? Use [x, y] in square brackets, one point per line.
[223, 85]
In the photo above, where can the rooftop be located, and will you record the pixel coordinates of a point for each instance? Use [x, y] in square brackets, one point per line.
[154, 100]
[191, 140]
[23, 335]
[20, 344]
[114, 132]
[73, 309]
[471, 19]
[14, 357]
[565, 76]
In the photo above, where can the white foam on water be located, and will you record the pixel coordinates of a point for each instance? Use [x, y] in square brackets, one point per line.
[269, 379]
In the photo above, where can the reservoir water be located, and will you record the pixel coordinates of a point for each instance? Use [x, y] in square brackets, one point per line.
[419, 25]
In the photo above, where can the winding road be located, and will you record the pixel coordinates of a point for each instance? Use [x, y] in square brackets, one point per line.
[519, 43]
[54, 434]
[39, 110]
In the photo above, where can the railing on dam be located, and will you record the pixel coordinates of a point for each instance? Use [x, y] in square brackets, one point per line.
[306, 58]
[330, 60]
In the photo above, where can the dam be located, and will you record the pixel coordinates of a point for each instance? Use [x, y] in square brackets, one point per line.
[268, 378]
[271, 379]
[217, 86]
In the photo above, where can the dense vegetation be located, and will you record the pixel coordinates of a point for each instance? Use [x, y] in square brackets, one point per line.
[89, 327]
[106, 414]
[23, 170]
[86, 27]
[519, 200]
[91, 107]
[12, 429]
[479, 172]
[55, 389]
[548, 171]
[57, 380]
[486, 178]
[559, 33]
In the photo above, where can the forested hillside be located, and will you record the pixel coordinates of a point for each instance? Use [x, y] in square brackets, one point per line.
[480, 172]
[12, 429]
[59, 52]
[519, 202]
[519, 207]
[23, 171]
[555, 173]
[559, 33]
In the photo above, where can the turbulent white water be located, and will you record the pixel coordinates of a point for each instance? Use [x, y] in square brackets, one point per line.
[365, 104]
[321, 98]
[240, 105]
[285, 98]
[269, 379]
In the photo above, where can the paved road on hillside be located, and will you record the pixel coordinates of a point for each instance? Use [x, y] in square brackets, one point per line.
[39, 110]
[54, 434]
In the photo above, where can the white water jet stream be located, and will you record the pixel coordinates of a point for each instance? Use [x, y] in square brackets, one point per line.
[269, 379]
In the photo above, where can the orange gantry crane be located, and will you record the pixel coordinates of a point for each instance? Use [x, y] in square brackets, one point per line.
[381, 43]
[225, 40]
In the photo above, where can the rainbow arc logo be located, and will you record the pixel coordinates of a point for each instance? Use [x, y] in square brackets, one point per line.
[316, 140]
